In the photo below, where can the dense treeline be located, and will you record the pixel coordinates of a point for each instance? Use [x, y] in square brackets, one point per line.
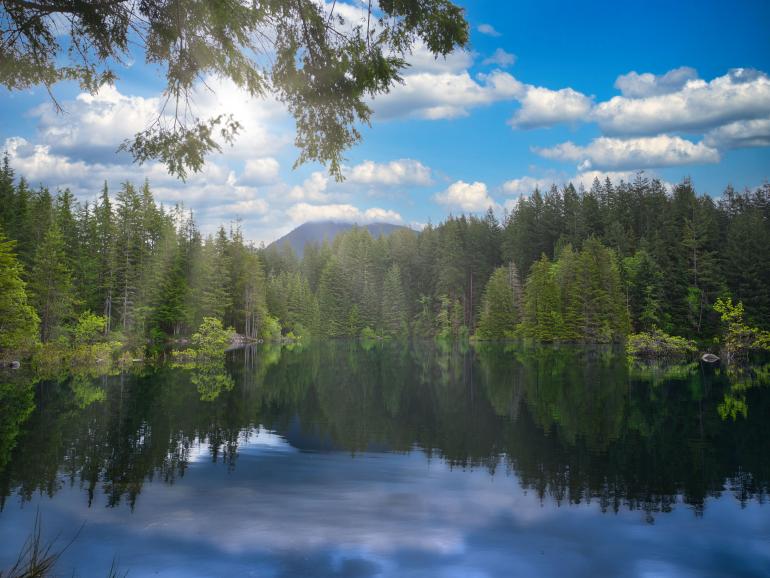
[567, 265]
[146, 269]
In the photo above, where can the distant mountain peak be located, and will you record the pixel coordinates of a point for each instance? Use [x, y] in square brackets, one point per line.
[319, 231]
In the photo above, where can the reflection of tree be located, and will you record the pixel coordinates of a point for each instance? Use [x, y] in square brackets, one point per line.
[17, 400]
[211, 379]
[742, 378]
[573, 423]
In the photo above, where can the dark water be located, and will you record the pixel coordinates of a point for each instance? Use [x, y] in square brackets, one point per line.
[397, 460]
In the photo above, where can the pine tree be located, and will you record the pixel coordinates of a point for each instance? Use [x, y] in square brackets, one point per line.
[104, 251]
[333, 300]
[18, 320]
[7, 194]
[542, 304]
[51, 284]
[394, 321]
[500, 304]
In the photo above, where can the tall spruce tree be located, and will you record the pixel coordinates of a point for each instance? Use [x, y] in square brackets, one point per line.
[51, 284]
[18, 319]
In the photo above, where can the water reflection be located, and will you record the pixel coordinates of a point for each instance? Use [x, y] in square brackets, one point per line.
[297, 450]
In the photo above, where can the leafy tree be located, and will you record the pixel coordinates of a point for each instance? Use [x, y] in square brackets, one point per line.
[322, 66]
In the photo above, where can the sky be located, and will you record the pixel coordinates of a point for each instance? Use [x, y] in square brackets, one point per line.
[548, 92]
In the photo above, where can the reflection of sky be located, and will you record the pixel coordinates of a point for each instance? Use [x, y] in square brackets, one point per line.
[254, 442]
[283, 512]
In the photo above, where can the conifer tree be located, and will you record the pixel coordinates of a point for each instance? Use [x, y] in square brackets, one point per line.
[394, 321]
[18, 320]
[500, 305]
[51, 284]
[333, 300]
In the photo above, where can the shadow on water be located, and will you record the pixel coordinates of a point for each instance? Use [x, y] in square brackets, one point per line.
[575, 424]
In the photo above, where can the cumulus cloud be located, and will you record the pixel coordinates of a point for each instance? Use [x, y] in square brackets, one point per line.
[544, 107]
[500, 58]
[740, 134]
[261, 171]
[488, 30]
[312, 189]
[304, 212]
[445, 95]
[423, 60]
[398, 172]
[741, 94]
[471, 197]
[636, 153]
[635, 85]
[95, 125]
[525, 185]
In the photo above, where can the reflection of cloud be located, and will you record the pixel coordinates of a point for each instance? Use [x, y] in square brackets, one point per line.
[304, 513]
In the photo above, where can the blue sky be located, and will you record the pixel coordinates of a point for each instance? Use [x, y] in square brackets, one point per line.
[548, 92]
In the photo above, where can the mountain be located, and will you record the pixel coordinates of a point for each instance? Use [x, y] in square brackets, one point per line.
[316, 232]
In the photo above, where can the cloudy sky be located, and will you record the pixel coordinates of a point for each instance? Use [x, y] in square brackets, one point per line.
[548, 92]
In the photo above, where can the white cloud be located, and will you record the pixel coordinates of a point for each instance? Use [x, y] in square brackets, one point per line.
[741, 94]
[500, 58]
[304, 212]
[445, 95]
[740, 134]
[398, 172]
[95, 125]
[525, 185]
[260, 171]
[312, 189]
[423, 60]
[636, 153]
[635, 85]
[471, 197]
[544, 107]
[488, 30]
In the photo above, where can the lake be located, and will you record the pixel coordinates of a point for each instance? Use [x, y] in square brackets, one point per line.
[350, 460]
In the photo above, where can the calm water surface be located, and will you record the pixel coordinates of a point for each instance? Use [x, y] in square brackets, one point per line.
[396, 460]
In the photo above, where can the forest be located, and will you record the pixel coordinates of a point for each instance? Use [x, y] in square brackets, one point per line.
[564, 265]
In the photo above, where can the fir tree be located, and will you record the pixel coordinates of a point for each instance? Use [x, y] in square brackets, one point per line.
[51, 284]
[18, 320]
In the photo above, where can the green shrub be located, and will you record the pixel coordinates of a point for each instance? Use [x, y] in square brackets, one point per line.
[658, 345]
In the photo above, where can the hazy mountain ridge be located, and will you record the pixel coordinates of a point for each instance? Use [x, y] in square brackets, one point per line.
[318, 231]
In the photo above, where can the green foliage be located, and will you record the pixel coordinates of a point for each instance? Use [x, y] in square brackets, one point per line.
[89, 329]
[271, 328]
[657, 344]
[18, 319]
[739, 339]
[212, 338]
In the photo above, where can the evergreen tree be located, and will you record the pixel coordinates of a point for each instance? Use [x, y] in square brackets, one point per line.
[394, 321]
[542, 304]
[51, 284]
[333, 300]
[499, 304]
[18, 320]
